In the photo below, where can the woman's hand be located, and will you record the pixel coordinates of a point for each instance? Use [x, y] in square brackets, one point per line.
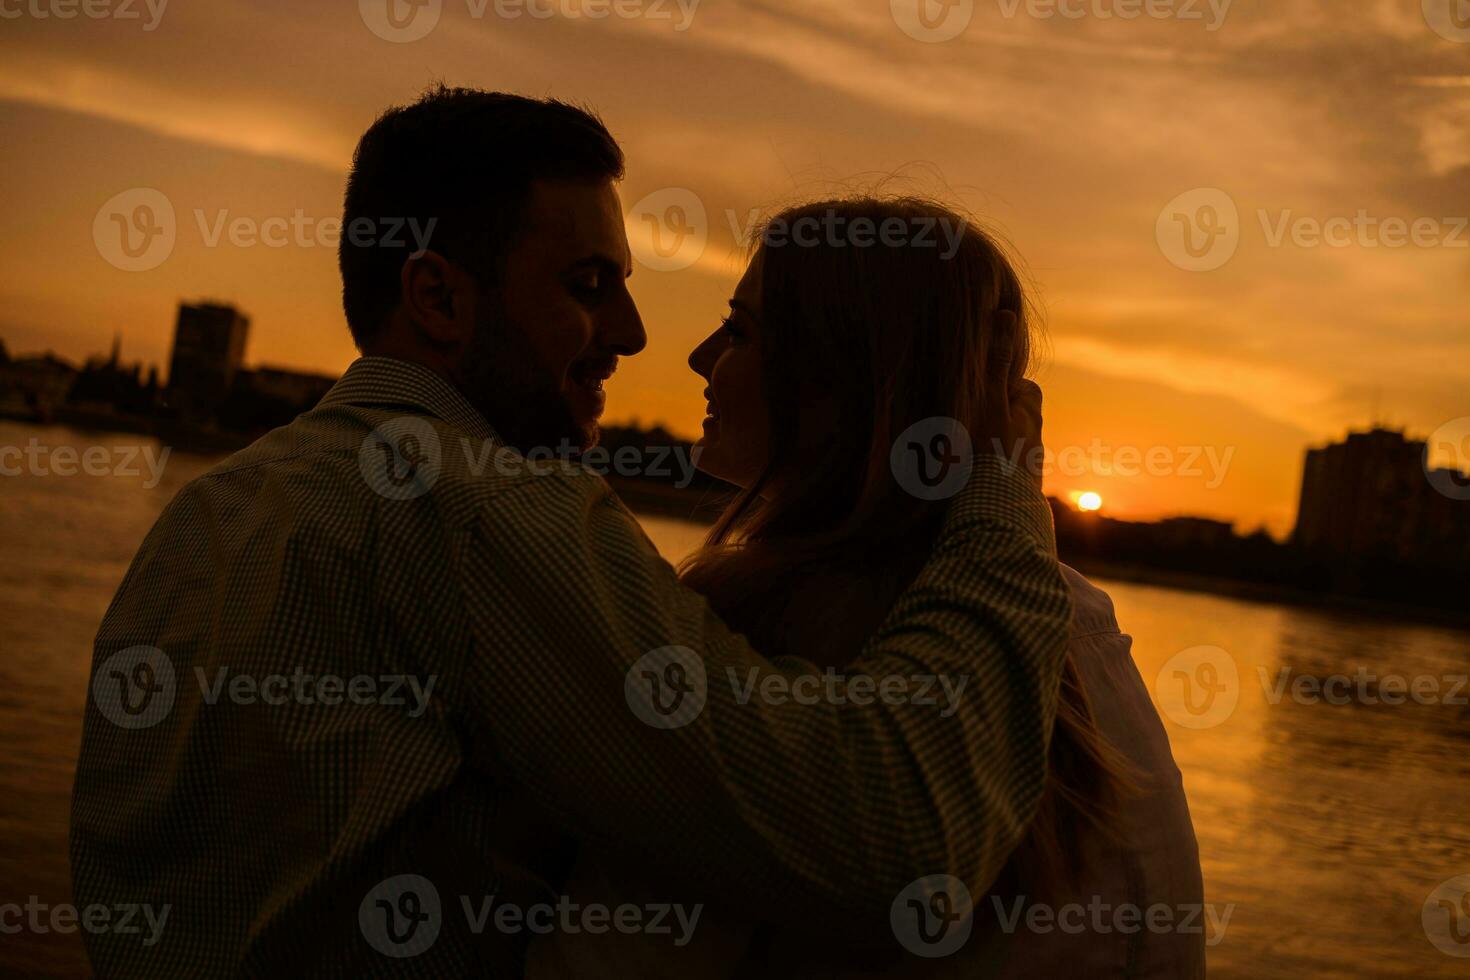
[1010, 411]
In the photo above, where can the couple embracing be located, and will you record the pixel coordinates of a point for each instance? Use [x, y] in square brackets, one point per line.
[585, 766]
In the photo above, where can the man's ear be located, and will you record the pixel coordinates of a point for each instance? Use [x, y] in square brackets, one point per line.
[439, 298]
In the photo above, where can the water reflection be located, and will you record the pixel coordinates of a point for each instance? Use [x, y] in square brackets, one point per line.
[1327, 825]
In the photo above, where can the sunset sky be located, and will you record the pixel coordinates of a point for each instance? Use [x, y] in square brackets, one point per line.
[1070, 135]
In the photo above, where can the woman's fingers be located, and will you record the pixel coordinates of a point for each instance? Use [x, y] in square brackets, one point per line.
[1026, 424]
[993, 431]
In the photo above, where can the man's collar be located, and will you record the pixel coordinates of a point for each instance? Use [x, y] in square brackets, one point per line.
[387, 382]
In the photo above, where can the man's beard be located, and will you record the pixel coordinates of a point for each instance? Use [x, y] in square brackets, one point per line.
[519, 396]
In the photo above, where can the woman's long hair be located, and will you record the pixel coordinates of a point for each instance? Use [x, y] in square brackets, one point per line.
[858, 343]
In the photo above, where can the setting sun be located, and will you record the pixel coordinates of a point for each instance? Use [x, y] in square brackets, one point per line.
[1089, 501]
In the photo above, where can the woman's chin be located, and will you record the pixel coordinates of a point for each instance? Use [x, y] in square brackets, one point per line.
[707, 458]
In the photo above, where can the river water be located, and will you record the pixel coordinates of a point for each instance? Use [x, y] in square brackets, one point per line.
[1326, 819]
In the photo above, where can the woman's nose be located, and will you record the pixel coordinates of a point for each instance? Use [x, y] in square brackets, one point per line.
[702, 358]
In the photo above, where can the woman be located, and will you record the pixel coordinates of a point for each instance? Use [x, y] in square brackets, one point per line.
[836, 344]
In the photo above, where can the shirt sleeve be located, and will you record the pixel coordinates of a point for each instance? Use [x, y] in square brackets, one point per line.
[615, 696]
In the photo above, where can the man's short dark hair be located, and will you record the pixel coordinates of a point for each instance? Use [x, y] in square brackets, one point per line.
[464, 159]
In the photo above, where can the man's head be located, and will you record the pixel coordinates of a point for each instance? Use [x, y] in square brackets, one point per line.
[482, 237]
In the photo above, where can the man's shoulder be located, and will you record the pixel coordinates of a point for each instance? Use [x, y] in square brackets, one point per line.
[393, 459]
[363, 483]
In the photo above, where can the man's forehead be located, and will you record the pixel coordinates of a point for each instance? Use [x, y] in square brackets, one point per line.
[574, 219]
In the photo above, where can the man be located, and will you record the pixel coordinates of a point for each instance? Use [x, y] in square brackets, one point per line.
[564, 686]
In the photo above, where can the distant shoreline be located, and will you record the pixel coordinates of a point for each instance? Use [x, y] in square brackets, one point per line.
[179, 436]
[665, 500]
[1134, 573]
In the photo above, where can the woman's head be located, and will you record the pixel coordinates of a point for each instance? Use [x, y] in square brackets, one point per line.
[856, 319]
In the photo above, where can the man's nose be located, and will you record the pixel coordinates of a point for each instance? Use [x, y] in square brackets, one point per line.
[622, 328]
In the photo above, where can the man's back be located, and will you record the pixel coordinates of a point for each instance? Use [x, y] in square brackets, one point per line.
[299, 631]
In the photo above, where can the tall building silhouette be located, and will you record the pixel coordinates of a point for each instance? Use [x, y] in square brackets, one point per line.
[1369, 497]
[209, 348]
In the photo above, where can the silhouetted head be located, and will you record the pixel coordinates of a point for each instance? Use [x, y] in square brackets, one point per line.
[855, 320]
[482, 237]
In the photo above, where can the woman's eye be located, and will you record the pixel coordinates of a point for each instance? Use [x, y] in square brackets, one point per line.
[731, 331]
